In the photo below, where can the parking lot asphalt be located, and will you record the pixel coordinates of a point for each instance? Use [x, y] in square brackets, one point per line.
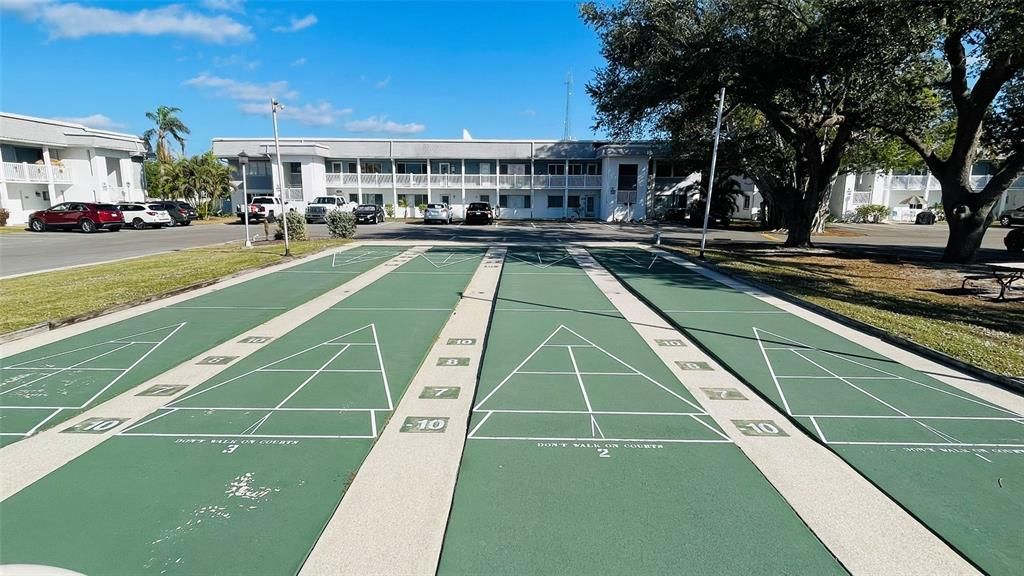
[22, 253]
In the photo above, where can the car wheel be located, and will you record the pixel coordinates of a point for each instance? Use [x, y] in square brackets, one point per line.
[186, 223]
[138, 224]
[87, 226]
[1005, 221]
[37, 225]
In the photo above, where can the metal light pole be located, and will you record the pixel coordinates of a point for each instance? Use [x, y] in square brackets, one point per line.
[711, 176]
[274, 107]
[243, 161]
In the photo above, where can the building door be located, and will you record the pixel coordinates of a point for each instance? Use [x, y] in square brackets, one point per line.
[589, 206]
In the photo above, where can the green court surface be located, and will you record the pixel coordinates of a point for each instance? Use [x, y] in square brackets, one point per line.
[47, 385]
[953, 460]
[241, 474]
[586, 456]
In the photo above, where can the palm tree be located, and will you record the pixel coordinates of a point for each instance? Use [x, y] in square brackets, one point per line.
[201, 180]
[167, 125]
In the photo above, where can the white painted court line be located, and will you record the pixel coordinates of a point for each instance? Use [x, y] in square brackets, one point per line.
[591, 439]
[28, 460]
[866, 531]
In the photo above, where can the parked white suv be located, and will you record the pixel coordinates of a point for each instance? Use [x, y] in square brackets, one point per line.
[316, 211]
[139, 216]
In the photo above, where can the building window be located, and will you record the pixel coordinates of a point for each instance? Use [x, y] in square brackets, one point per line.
[257, 168]
[574, 201]
[627, 176]
[746, 202]
[351, 168]
[372, 168]
[514, 169]
[556, 169]
[554, 201]
[527, 202]
[575, 169]
[503, 200]
[592, 169]
[484, 198]
[626, 197]
[420, 199]
[411, 168]
[377, 199]
[336, 167]
[446, 199]
[353, 197]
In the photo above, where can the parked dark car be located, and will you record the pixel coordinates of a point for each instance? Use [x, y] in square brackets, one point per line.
[369, 214]
[1010, 217]
[1015, 240]
[182, 213]
[479, 211]
[926, 217]
[85, 216]
[675, 214]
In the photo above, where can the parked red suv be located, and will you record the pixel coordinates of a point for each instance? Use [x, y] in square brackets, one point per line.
[85, 216]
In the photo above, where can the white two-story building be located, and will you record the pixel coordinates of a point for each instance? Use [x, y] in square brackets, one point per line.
[46, 162]
[541, 179]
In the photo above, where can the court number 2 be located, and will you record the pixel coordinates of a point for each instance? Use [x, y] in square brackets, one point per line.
[603, 453]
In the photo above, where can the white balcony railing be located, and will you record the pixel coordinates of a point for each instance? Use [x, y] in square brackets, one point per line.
[912, 182]
[35, 173]
[504, 181]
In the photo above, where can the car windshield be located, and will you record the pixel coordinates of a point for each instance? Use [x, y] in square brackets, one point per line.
[435, 206]
[324, 200]
[185, 205]
[479, 206]
[263, 200]
[106, 207]
[156, 207]
[366, 208]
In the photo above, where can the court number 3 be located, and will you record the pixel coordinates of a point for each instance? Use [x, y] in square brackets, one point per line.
[231, 448]
[603, 453]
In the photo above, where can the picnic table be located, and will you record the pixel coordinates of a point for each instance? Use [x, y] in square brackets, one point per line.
[1004, 273]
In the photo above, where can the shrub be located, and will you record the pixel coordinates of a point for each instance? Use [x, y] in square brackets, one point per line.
[389, 209]
[422, 208]
[341, 224]
[872, 213]
[296, 227]
[4, 215]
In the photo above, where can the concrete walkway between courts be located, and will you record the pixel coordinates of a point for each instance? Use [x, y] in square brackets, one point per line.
[31, 459]
[866, 531]
[393, 517]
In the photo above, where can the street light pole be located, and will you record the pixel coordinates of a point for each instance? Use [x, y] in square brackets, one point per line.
[243, 161]
[711, 176]
[274, 107]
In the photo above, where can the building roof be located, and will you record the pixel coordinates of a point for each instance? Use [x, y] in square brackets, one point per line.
[60, 134]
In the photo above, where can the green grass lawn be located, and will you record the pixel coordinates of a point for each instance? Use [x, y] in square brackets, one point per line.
[55, 296]
[918, 301]
[12, 229]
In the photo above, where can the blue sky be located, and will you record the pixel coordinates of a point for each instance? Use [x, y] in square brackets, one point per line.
[342, 69]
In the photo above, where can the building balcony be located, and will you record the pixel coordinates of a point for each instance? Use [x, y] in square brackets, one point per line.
[455, 181]
[913, 182]
[36, 173]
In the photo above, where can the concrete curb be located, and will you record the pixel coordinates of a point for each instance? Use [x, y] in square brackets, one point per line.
[1005, 382]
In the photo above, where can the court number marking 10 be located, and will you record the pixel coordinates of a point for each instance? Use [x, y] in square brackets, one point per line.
[425, 424]
[759, 428]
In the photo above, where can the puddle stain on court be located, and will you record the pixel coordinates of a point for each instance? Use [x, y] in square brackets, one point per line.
[166, 549]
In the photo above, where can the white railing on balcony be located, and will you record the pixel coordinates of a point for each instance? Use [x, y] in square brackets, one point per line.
[37, 173]
[504, 181]
[912, 182]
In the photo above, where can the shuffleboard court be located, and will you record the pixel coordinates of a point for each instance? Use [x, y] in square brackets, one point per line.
[586, 456]
[952, 459]
[43, 387]
[241, 475]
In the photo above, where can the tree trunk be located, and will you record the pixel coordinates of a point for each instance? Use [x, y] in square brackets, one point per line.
[968, 215]
[800, 223]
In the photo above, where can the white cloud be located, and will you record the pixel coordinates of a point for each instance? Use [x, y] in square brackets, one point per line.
[322, 114]
[297, 24]
[73, 20]
[226, 5]
[235, 61]
[381, 84]
[382, 124]
[237, 90]
[98, 121]
[298, 62]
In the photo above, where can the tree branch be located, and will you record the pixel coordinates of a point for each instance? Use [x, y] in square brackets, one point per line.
[956, 56]
[934, 163]
[1008, 172]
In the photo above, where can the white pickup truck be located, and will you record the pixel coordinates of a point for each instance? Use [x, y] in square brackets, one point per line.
[316, 211]
[262, 207]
